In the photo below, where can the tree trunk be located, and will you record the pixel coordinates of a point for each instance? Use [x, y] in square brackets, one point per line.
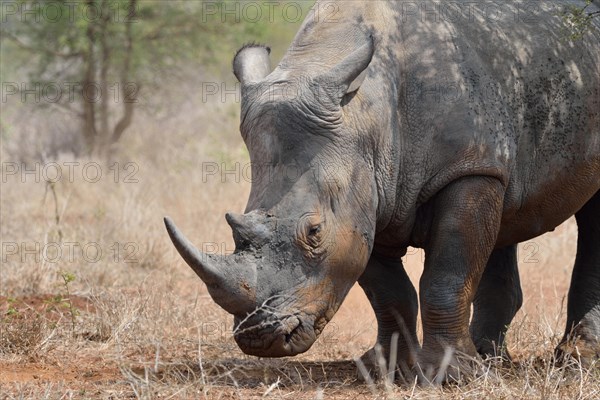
[104, 67]
[128, 89]
[88, 87]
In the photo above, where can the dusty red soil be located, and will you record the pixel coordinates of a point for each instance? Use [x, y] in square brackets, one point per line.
[90, 370]
[45, 303]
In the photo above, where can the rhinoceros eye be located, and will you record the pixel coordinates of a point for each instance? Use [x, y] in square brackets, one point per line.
[314, 235]
[310, 233]
[314, 230]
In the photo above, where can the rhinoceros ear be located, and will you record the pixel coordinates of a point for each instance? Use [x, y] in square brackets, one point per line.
[252, 63]
[347, 76]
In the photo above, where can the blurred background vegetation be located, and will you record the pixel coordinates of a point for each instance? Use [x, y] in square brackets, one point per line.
[80, 76]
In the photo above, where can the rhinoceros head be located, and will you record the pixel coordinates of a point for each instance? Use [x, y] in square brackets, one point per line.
[308, 229]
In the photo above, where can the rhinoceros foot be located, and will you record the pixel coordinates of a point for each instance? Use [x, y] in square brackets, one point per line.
[582, 343]
[488, 349]
[377, 366]
[579, 351]
[448, 364]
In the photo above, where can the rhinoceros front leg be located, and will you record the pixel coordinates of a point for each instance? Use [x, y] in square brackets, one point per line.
[394, 300]
[496, 302]
[582, 333]
[465, 223]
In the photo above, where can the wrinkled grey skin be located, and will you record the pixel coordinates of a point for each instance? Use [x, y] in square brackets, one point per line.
[461, 137]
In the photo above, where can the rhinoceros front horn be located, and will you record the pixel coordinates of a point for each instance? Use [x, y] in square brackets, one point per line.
[231, 281]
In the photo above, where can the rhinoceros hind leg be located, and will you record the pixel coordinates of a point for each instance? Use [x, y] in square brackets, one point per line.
[582, 333]
[496, 302]
[394, 300]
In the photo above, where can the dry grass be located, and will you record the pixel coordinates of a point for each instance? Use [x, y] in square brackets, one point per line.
[148, 329]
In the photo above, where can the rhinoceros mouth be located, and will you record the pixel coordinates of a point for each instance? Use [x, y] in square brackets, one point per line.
[279, 338]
